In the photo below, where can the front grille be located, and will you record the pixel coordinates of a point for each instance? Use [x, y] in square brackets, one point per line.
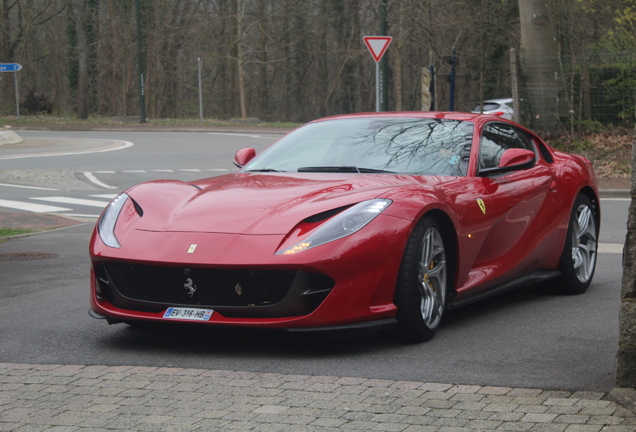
[212, 287]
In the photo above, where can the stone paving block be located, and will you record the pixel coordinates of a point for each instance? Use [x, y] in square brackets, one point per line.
[29, 428]
[496, 391]
[466, 397]
[506, 416]
[497, 407]
[514, 426]
[389, 427]
[599, 411]
[233, 426]
[450, 422]
[435, 387]
[436, 403]
[383, 409]
[323, 404]
[475, 415]
[217, 414]
[464, 389]
[617, 429]
[444, 413]
[558, 409]
[538, 418]
[435, 395]
[606, 420]
[329, 422]
[421, 428]
[548, 427]
[359, 425]
[532, 408]
[583, 428]
[413, 410]
[420, 420]
[484, 424]
[572, 419]
[470, 406]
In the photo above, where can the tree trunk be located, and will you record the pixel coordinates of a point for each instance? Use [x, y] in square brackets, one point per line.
[82, 61]
[626, 356]
[540, 51]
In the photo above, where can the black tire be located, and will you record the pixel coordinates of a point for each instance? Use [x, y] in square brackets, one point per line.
[423, 282]
[578, 260]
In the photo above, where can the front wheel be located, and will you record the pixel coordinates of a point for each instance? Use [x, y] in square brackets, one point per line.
[578, 260]
[422, 286]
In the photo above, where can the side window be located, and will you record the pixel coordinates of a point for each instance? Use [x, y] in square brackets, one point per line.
[497, 138]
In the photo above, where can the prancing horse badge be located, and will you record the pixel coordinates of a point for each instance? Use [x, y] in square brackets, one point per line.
[482, 205]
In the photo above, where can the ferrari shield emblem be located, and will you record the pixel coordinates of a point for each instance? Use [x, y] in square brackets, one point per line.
[482, 205]
[192, 248]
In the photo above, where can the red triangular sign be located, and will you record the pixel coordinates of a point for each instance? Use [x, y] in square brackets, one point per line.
[377, 45]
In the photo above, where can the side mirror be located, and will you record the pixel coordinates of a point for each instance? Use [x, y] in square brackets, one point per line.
[515, 156]
[243, 156]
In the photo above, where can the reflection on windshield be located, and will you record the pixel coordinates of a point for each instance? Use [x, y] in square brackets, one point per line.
[404, 145]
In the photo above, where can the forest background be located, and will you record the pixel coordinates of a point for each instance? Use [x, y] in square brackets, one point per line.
[297, 60]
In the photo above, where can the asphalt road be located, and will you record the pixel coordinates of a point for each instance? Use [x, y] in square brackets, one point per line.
[519, 339]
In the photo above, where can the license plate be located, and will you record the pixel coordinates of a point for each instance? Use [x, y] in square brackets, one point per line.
[188, 314]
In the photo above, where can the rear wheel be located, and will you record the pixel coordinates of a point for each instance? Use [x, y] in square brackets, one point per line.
[422, 287]
[579, 252]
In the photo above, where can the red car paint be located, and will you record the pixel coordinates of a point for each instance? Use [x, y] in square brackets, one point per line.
[241, 220]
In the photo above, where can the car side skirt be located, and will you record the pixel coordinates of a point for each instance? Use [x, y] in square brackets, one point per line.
[536, 276]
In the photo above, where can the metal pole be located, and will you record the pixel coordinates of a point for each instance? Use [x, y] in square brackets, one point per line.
[200, 93]
[140, 66]
[17, 97]
[377, 87]
[384, 88]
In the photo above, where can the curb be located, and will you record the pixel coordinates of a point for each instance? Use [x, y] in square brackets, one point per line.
[7, 136]
[625, 397]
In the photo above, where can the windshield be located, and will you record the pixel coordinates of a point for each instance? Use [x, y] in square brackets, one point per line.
[380, 144]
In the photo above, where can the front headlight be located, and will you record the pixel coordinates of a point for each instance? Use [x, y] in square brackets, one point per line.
[343, 224]
[108, 220]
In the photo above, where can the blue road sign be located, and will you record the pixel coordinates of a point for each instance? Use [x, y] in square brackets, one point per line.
[10, 67]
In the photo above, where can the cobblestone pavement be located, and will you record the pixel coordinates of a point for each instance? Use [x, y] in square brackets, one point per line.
[58, 398]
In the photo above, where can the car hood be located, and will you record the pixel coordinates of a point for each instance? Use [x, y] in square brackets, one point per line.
[253, 203]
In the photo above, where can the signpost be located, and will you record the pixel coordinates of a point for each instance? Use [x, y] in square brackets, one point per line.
[377, 46]
[13, 67]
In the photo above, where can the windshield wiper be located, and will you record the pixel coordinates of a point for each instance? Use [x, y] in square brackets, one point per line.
[345, 168]
[264, 170]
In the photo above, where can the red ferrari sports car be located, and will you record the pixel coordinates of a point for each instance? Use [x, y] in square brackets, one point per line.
[363, 221]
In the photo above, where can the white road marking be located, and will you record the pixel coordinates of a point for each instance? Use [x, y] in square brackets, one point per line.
[31, 207]
[217, 169]
[94, 180]
[236, 135]
[616, 199]
[134, 171]
[80, 215]
[613, 248]
[109, 196]
[126, 144]
[164, 170]
[189, 170]
[105, 172]
[27, 187]
[76, 201]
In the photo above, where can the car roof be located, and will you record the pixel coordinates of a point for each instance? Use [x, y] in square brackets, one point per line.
[454, 115]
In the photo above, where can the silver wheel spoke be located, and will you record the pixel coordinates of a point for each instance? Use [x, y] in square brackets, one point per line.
[432, 277]
[583, 243]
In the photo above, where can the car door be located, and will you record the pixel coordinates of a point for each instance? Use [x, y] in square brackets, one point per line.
[522, 201]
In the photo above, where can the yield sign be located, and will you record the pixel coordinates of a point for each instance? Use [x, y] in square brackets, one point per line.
[377, 45]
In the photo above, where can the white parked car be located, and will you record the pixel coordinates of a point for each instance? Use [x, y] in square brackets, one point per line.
[502, 107]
